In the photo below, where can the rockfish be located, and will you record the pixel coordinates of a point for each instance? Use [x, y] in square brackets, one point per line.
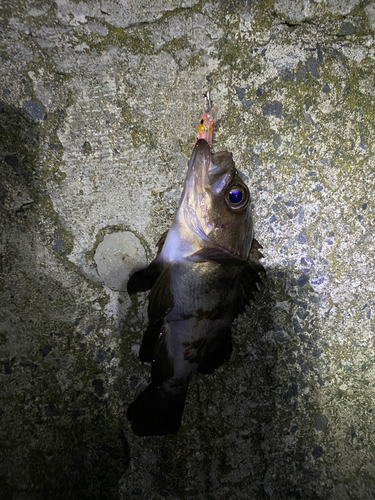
[205, 272]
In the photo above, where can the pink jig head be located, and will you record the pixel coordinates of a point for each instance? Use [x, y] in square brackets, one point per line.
[206, 125]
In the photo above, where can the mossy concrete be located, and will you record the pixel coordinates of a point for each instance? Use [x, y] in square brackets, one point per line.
[99, 106]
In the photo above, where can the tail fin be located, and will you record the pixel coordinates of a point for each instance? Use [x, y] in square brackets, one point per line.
[157, 411]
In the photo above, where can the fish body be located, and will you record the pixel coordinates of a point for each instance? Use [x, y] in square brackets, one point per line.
[203, 276]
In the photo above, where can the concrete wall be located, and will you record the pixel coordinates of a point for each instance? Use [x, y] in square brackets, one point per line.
[100, 101]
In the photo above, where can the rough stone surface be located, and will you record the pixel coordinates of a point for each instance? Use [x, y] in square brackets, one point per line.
[99, 106]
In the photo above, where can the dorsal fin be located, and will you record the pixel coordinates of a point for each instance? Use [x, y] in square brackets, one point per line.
[249, 277]
[254, 250]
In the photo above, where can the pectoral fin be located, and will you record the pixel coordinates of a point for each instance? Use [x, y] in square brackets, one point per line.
[219, 256]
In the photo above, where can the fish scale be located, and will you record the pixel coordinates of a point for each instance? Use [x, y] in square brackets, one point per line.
[202, 308]
[197, 288]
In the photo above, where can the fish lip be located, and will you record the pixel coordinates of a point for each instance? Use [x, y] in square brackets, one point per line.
[201, 155]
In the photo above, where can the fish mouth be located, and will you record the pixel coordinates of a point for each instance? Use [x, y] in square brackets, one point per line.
[210, 167]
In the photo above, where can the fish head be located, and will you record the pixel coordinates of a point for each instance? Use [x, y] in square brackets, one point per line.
[216, 201]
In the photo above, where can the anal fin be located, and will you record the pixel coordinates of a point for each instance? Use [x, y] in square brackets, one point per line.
[162, 367]
[150, 341]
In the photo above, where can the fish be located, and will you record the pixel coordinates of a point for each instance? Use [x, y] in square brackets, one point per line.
[206, 271]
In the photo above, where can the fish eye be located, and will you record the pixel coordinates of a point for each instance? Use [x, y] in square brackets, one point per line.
[237, 196]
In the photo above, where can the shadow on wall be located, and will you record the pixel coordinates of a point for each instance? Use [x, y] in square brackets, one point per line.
[60, 437]
[284, 368]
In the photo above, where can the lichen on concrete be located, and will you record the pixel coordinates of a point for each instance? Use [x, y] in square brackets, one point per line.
[99, 107]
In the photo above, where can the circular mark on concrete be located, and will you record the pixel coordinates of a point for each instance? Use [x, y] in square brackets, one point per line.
[117, 256]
